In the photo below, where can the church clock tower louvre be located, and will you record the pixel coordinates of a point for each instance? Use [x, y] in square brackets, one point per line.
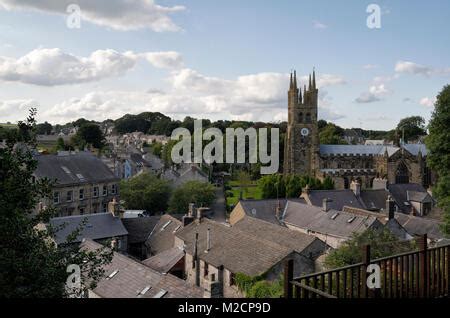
[301, 152]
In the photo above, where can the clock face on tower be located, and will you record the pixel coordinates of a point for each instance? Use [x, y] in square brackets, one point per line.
[304, 132]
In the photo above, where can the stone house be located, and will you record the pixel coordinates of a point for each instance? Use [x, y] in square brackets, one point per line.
[216, 252]
[83, 183]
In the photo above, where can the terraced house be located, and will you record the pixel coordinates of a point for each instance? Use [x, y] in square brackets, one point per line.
[83, 184]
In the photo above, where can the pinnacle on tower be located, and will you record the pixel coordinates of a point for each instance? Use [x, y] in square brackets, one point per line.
[309, 87]
[290, 83]
[314, 78]
[295, 79]
[300, 99]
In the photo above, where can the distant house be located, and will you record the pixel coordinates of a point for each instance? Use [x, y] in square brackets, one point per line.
[378, 142]
[104, 228]
[216, 252]
[188, 172]
[411, 198]
[127, 278]
[83, 183]
[353, 136]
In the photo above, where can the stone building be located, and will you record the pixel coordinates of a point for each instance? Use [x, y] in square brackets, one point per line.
[83, 184]
[404, 163]
[217, 252]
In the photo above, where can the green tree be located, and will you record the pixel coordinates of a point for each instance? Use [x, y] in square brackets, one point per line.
[438, 159]
[200, 193]
[382, 244]
[413, 127]
[331, 135]
[44, 128]
[89, 134]
[31, 265]
[258, 287]
[60, 144]
[146, 192]
[244, 182]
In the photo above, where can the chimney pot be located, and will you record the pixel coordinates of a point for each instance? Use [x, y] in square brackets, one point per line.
[390, 207]
[326, 204]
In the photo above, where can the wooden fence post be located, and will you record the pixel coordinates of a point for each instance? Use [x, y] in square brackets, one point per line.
[288, 277]
[423, 266]
[366, 262]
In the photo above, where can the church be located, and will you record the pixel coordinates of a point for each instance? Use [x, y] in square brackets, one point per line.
[366, 164]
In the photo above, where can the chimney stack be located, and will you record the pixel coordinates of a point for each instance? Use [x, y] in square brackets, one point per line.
[208, 241]
[390, 207]
[355, 186]
[326, 204]
[189, 218]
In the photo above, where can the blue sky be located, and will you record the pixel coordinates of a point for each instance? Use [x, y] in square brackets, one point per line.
[222, 59]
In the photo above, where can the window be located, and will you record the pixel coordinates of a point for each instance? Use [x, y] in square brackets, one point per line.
[69, 196]
[206, 269]
[56, 197]
[105, 207]
[81, 195]
[113, 189]
[105, 191]
[232, 279]
[81, 211]
[95, 192]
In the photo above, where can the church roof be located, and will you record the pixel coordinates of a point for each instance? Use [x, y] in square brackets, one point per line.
[370, 149]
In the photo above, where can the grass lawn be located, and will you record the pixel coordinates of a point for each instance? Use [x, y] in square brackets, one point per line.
[253, 192]
[8, 125]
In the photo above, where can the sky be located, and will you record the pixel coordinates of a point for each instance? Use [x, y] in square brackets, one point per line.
[224, 59]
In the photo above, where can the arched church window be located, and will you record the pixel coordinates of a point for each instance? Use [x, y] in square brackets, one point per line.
[300, 118]
[346, 183]
[308, 117]
[402, 173]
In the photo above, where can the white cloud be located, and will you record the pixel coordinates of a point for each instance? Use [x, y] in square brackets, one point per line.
[319, 25]
[375, 94]
[12, 109]
[369, 66]
[427, 101]
[169, 60]
[51, 67]
[258, 97]
[413, 68]
[121, 15]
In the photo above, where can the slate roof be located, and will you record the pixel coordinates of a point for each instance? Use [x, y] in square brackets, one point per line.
[246, 251]
[139, 229]
[162, 237]
[414, 149]
[133, 277]
[164, 261]
[357, 149]
[265, 209]
[371, 149]
[374, 199]
[420, 225]
[313, 218]
[399, 193]
[418, 196]
[340, 198]
[98, 226]
[74, 168]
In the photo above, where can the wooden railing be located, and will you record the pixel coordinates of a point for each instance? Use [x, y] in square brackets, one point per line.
[422, 273]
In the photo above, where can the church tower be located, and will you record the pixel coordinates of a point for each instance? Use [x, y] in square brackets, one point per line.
[301, 149]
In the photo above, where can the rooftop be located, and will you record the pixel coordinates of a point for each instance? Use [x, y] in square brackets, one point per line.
[98, 226]
[127, 278]
[73, 168]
